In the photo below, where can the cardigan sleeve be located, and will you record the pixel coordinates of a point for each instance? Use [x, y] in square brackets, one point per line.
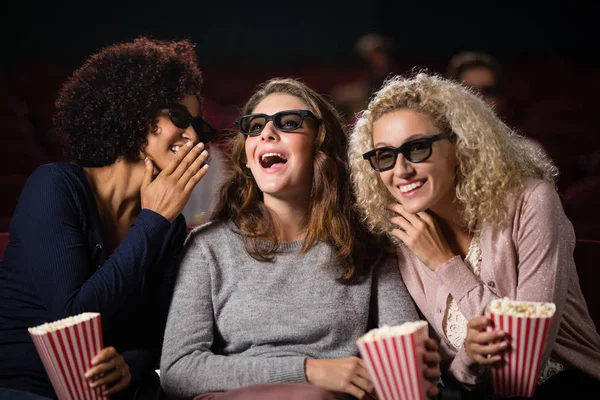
[544, 241]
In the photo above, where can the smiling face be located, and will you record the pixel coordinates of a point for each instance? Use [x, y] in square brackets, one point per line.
[163, 143]
[417, 186]
[282, 162]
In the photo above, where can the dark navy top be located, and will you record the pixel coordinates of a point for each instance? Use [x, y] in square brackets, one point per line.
[56, 266]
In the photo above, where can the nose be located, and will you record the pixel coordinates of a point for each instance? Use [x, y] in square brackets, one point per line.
[190, 134]
[269, 132]
[403, 167]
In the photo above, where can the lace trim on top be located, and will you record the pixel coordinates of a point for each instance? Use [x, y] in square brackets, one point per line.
[454, 323]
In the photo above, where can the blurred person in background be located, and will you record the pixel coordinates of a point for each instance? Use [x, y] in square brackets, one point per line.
[376, 52]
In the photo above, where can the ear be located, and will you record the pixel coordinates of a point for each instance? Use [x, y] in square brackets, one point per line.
[154, 128]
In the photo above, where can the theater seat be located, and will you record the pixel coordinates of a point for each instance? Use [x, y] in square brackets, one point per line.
[581, 202]
[587, 256]
[3, 243]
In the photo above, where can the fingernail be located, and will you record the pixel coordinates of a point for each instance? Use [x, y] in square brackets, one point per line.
[146, 159]
[200, 145]
[204, 153]
[189, 144]
[503, 345]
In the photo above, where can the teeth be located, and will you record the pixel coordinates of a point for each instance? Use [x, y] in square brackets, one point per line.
[411, 186]
[273, 155]
[174, 149]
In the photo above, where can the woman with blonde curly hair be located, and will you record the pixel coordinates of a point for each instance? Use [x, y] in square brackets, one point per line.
[475, 216]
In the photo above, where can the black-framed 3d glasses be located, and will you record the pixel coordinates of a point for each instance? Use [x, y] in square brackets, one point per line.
[415, 151]
[181, 118]
[286, 121]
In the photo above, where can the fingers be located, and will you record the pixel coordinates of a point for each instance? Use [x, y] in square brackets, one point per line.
[109, 369]
[400, 234]
[101, 368]
[355, 391]
[121, 384]
[482, 346]
[193, 168]
[179, 156]
[431, 357]
[364, 384]
[186, 163]
[433, 391]
[413, 219]
[108, 378]
[105, 354]
[478, 323]
[489, 353]
[148, 172]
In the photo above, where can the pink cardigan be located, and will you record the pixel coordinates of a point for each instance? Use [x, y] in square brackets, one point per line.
[530, 258]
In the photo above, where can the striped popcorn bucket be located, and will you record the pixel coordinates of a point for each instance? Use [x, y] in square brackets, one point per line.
[518, 375]
[66, 348]
[396, 364]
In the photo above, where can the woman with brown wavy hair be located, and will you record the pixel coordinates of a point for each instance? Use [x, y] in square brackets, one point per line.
[278, 288]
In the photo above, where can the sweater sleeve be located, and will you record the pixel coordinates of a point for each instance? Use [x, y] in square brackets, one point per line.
[391, 303]
[57, 250]
[188, 366]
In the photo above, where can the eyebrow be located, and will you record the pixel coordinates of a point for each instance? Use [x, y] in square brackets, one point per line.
[411, 137]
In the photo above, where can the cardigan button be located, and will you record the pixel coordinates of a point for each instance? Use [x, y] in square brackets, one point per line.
[491, 284]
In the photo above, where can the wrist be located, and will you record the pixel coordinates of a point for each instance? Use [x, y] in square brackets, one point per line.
[441, 261]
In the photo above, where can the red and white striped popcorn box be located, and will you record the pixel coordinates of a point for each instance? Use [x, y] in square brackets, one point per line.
[526, 324]
[66, 348]
[394, 358]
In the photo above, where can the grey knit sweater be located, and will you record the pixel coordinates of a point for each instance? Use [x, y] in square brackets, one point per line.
[235, 321]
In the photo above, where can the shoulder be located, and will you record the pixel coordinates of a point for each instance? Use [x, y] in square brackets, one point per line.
[538, 208]
[538, 195]
[55, 183]
[213, 233]
[58, 176]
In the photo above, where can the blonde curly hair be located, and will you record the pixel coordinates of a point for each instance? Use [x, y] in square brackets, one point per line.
[493, 160]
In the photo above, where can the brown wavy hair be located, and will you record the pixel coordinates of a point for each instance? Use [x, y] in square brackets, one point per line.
[332, 216]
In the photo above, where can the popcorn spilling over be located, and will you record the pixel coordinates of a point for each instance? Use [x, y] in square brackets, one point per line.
[530, 309]
[60, 324]
[387, 331]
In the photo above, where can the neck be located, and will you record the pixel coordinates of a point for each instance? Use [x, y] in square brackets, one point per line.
[291, 217]
[116, 188]
[448, 216]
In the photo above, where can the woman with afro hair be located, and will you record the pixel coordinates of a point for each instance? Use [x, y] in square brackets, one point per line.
[103, 232]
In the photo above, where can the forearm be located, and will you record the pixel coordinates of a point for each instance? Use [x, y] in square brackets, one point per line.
[470, 294]
[204, 372]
